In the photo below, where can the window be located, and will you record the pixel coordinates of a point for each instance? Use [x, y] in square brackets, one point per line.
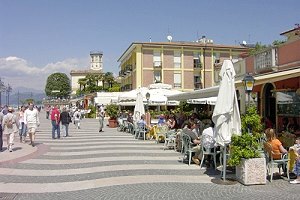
[177, 80]
[177, 59]
[157, 76]
[216, 57]
[156, 59]
[197, 61]
[197, 82]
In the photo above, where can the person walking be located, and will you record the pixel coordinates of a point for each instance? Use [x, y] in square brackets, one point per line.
[55, 120]
[1, 140]
[10, 127]
[32, 121]
[47, 111]
[65, 120]
[77, 118]
[101, 120]
[22, 126]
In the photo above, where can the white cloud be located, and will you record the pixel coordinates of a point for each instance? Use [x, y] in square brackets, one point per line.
[19, 73]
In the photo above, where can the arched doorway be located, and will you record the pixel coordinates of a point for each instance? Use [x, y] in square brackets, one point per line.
[269, 103]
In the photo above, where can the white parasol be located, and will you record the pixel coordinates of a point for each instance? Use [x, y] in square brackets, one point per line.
[226, 115]
[139, 108]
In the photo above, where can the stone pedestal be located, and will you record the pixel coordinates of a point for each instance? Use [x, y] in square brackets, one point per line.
[252, 171]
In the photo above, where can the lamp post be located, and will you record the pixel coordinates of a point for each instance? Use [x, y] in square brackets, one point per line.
[248, 84]
[2, 87]
[147, 97]
[8, 91]
[204, 41]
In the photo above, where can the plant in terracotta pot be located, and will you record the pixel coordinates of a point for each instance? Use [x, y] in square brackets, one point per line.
[245, 150]
[112, 112]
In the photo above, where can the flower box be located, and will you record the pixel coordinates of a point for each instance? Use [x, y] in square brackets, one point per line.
[252, 171]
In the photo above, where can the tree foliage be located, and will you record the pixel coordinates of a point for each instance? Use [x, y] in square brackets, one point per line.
[58, 85]
[90, 83]
[247, 145]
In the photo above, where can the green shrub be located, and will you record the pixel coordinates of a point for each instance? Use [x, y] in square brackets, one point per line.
[112, 111]
[247, 145]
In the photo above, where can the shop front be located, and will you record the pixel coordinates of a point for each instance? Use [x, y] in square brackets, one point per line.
[278, 100]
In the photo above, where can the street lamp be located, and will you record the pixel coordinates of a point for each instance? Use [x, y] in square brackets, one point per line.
[8, 91]
[204, 41]
[2, 88]
[147, 97]
[248, 84]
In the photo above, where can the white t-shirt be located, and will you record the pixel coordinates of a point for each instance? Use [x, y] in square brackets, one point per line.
[77, 115]
[31, 117]
[208, 138]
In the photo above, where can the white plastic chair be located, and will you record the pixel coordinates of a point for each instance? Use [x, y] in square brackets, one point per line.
[284, 161]
[208, 149]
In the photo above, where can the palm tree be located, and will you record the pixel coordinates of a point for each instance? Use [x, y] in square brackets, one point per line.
[109, 78]
[82, 82]
[99, 77]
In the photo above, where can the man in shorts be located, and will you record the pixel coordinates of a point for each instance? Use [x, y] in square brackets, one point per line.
[32, 121]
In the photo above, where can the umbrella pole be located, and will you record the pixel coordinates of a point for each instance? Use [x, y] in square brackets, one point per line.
[224, 163]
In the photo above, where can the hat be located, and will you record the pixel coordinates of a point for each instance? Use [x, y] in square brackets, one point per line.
[10, 109]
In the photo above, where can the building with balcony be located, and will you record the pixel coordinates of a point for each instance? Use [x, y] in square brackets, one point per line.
[277, 73]
[187, 66]
[96, 67]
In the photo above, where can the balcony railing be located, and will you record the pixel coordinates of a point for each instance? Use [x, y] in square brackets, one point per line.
[266, 60]
[177, 85]
[197, 85]
[126, 87]
[197, 65]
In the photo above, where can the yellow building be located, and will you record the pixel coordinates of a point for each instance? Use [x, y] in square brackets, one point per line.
[186, 66]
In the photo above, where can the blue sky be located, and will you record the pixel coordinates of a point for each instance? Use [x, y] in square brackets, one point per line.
[39, 37]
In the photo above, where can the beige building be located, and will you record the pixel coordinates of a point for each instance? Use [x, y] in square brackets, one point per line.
[96, 67]
[186, 66]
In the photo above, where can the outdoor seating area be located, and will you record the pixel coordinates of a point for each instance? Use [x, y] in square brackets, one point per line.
[210, 157]
[205, 138]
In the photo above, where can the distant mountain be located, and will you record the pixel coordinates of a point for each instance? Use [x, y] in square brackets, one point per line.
[24, 89]
[14, 96]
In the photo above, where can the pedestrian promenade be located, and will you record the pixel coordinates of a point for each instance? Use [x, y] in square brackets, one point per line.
[113, 165]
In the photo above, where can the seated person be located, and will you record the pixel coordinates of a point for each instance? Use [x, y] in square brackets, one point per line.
[277, 147]
[130, 122]
[285, 124]
[296, 169]
[294, 127]
[171, 122]
[142, 123]
[208, 136]
[161, 120]
[196, 141]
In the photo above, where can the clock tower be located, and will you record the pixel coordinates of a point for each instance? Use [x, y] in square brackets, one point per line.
[96, 60]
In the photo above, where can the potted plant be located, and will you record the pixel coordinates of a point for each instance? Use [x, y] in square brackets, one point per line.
[245, 152]
[112, 112]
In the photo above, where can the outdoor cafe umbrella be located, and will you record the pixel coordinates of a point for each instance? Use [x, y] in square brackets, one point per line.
[226, 114]
[139, 109]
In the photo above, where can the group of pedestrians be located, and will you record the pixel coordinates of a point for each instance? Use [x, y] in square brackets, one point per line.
[61, 120]
[26, 121]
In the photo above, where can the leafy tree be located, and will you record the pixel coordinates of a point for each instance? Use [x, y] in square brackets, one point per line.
[26, 101]
[109, 79]
[278, 42]
[58, 85]
[82, 82]
[99, 77]
[114, 89]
